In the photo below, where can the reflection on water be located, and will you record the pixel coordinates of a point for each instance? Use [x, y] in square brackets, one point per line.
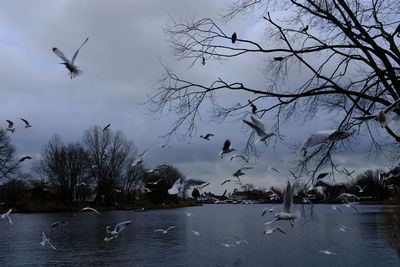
[80, 242]
[392, 224]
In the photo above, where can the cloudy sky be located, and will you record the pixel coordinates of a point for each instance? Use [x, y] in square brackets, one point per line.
[121, 65]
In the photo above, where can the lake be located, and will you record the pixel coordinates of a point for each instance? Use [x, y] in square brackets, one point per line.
[81, 241]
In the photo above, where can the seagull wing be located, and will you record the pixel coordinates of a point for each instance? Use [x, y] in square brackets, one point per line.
[25, 121]
[288, 199]
[51, 245]
[60, 54]
[77, 51]
[258, 122]
[90, 209]
[392, 106]
[169, 228]
[10, 124]
[8, 217]
[208, 135]
[260, 132]
[121, 226]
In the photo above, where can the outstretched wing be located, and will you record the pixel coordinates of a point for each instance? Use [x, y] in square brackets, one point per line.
[121, 226]
[77, 51]
[10, 124]
[60, 54]
[169, 228]
[255, 128]
[25, 121]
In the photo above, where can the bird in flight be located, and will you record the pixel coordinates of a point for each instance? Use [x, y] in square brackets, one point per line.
[226, 181]
[234, 37]
[46, 240]
[327, 252]
[166, 230]
[240, 173]
[90, 209]
[258, 127]
[360, 189]
[226, 148]
[253, 107]
[10, 127]
[381, 116]
[107, 126]
[323, 137]
[269, 231]
[207, 136]
[27, 125]
[69, 64]
[117, 229]
[57, 224]
[7, 215]
[24, 158]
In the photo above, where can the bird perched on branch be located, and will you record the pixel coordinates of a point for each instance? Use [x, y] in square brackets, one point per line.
[69, 64]
[234, 37]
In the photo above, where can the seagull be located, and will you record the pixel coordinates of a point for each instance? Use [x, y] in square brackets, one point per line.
[226, 148]
[381, 116]
[207, 136]
[190, 214]
[253, 107]
[348, 173]
[197, 233]
[305, 29]
[117, 229]
[69, 64]
[227, 245]
[240, 156]
[323, 137]
[24, 158]
[327, 252]
[57, 224]
[226, 181]
[360, 190]
[343, 228]
[203, 61]
[286, 213]
[142, 154]
[163, 146]
[107, 126]
[272, 168]
[156, 182]
[334, 207]
[240, 241]
[90, 209]
[166, 230]
[181, 185]
[46, 240]
[269, 231]
[240, 173]
[279, 58]
[234, 37]
[258, 127]
[10, 126]
[137, 161]
[7, 215]
[27, 125]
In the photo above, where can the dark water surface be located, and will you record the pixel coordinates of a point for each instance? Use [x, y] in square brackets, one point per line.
[80, 242]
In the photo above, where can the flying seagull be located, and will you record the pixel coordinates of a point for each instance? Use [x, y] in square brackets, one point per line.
[240, 156]
[117, 229]
[240, 241]
[327, 252]
[181, 185]
[27, 125]
[107, 126]
[258, 127]
[226, 181]
[69, 64]
[46, 240]
[207, 136]
[197, 233]
[269, 231]
[286, 213]
[57, 224]
[7, 215]
[203, 61]
[166, 230]
[381, 116]
[90, 209]
[360, 190]
[234, 37]
[253, 107]
[240, 173]
[226, 148]
[24, 158]
[10, 126]
[323, 137]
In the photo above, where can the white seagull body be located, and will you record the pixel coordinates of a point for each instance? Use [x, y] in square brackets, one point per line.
[69, 64]
[258, 127]
[323, 137]
[118, 228]
[181, 185]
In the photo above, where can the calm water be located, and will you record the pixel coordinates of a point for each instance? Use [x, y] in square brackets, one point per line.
[80, 242]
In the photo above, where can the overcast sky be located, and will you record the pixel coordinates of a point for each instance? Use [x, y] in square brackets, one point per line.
[121, 65]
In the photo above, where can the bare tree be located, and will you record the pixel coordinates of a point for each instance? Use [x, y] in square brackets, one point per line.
[110, 155]
[65, 166]
[347, 50]
[8, 164]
